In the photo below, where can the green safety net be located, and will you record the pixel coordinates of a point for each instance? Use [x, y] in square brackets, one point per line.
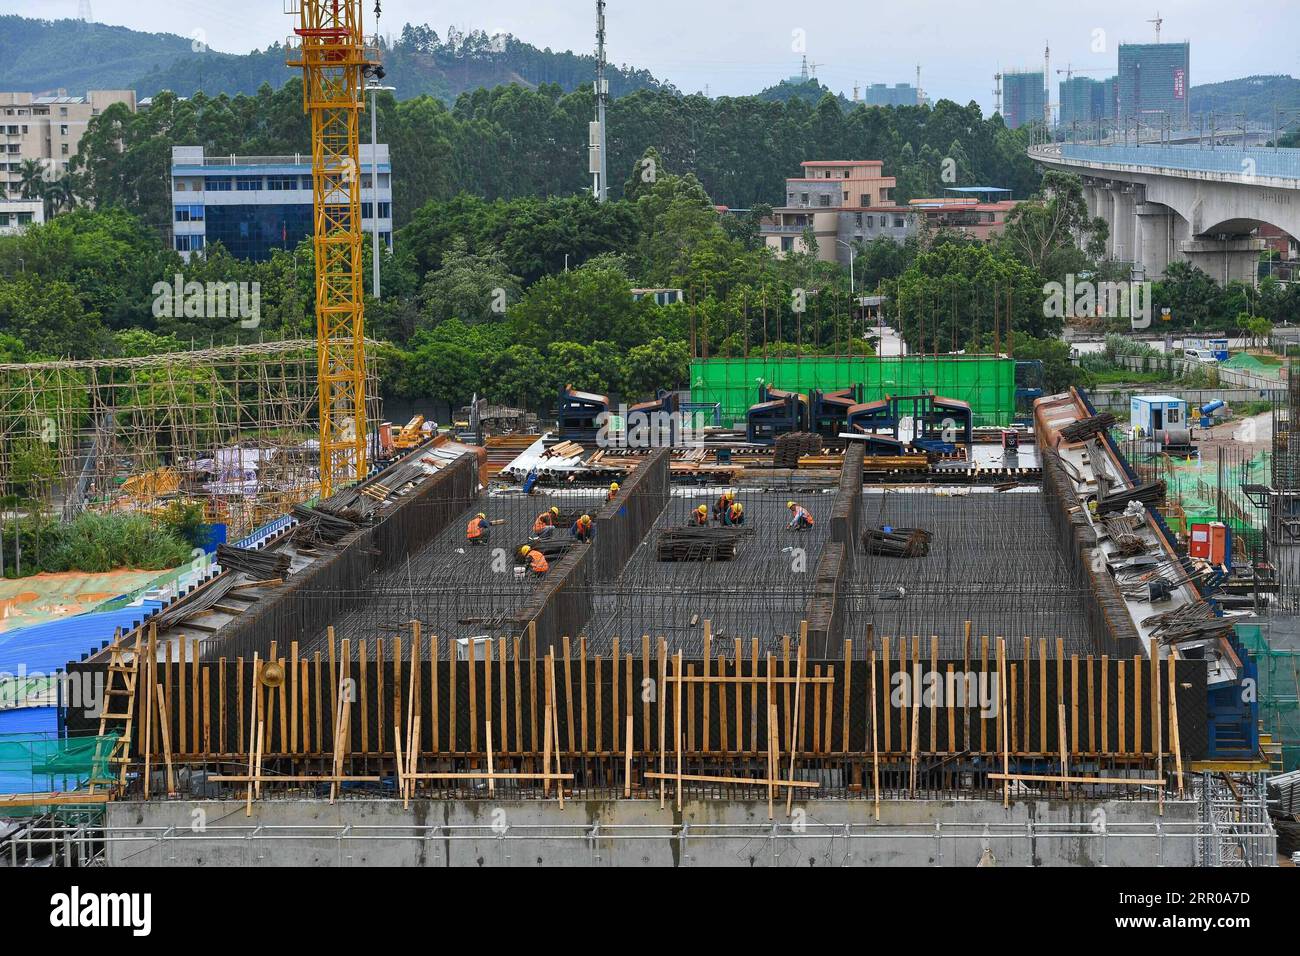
[986, 382]
[1193, 483]
[40, 763]
[1279, 690]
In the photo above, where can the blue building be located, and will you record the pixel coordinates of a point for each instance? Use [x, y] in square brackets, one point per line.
[255, 204]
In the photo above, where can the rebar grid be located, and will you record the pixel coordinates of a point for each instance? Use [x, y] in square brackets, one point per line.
[994, 560]
[763, 592]
[456, 589]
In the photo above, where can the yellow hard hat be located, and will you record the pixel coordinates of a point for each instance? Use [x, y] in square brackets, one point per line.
[789, 504]
[613, 486]
[731, 495]
[523, 552]
[703, 509]
[585, 518]
[554, 510]
[481, 515]
[739, 506]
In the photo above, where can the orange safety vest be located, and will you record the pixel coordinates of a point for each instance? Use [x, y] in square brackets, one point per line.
[538, 562]
[699, 519]
[544, 520]
[801, 512]
[474, 529]
[735, 513]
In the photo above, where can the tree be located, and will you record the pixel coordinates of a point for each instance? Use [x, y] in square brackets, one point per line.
[1052, 226]
[31, 179]
[474, 287]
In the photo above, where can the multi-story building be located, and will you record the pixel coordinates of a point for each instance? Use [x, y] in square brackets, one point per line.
[881, 94]
[47, 129]
[17, 214]
[840, 202]
[1154, 80]
[968, 215]
[1080, 99]
[1024, 98]
[254, 204]
[848, 202]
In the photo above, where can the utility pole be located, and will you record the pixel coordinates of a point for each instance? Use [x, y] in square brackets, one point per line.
[1047, 87]
[598, 167]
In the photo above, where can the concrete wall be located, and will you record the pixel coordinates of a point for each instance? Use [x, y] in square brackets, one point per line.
[705, 833]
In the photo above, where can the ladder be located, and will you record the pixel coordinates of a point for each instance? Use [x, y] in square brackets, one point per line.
[118, 709]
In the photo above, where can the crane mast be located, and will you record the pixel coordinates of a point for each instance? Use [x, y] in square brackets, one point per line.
[332, 54]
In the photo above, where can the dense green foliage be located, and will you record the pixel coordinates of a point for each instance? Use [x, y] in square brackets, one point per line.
[94, 543]
[511, 142]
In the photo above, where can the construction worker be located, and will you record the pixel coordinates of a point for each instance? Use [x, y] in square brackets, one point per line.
[537, 562]
[613, 491]
[736, 514]
[545, 522]
[581, 529]
[476, 532]
[723, 505]
[800, 519]
[700, 517]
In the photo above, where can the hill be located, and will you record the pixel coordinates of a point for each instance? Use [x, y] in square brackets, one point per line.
[44, 55]
[1256, 96]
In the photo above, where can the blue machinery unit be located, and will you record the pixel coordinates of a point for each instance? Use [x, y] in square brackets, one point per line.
[830, 410]
[939, 424]
[580, 413]
[776, 413]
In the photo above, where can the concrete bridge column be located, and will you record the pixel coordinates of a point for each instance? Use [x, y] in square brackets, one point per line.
[1125, 224]
[1107, 197]
[1155, 231]
[1225, 260]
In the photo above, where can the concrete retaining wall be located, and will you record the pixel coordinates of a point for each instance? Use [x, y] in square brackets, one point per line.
[705, 833]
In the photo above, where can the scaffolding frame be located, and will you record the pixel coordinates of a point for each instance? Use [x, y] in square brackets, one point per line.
[119, 434]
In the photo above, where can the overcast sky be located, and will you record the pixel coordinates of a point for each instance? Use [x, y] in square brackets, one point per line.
[740, 46]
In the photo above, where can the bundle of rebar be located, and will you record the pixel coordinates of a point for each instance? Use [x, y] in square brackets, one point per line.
[1149, 493]
[699, 544]
[1121, 528]
[1087, 427]
[792, 446]
[258, 565]
[897, 542]
[1190, 622]
[320, 527]
[551, 547]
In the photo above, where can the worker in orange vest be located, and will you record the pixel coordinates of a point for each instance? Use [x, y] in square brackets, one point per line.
[545, 522]
[723, 505]
[613, 491]
[537, 562]
[700, 517]
[800, 519]
[581, 529]
[476, 532]
[736, 514]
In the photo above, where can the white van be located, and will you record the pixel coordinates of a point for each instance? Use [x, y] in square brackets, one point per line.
[1200, 355]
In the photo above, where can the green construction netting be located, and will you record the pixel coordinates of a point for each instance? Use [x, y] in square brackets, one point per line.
[1249, 363]
[1279, 691]
[1193, 483]
[46, 763]
[987, 382]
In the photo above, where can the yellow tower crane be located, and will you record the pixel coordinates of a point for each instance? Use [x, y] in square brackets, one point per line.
[330, 48]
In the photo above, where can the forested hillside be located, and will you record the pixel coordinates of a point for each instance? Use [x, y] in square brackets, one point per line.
[512, 141]
[41, 55]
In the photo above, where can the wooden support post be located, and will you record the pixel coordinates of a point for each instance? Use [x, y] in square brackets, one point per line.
[164, 725]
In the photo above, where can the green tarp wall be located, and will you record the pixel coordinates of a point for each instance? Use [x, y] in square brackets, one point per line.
[1279, 691]
[987, 382]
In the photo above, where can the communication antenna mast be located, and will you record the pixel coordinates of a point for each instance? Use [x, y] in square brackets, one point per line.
[1047, 86]
[997, 92]
[597, 165]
